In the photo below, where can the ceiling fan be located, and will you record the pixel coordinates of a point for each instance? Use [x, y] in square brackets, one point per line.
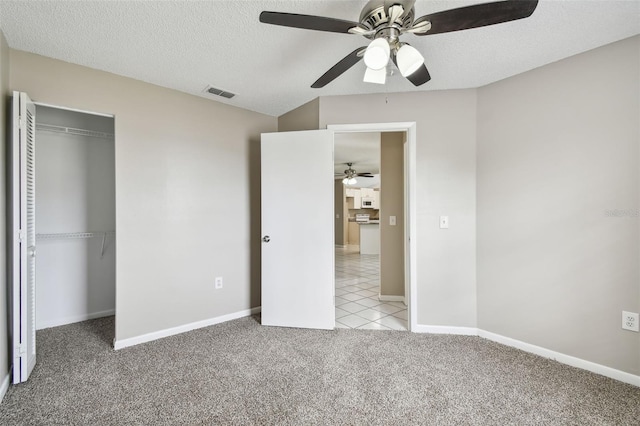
[385, 21]
[350, 175]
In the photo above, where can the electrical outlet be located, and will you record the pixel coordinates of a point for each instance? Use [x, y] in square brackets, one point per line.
[630, 321]
[444, 222]
[218, 283]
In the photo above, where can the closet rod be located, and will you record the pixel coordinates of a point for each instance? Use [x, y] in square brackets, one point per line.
[73, 131]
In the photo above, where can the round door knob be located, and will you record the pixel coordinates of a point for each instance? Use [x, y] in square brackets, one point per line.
[266, 239]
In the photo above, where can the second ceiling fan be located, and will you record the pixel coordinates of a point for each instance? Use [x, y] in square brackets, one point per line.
[384, 21]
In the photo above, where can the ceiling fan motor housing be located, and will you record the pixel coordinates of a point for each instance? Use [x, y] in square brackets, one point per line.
[376, 13]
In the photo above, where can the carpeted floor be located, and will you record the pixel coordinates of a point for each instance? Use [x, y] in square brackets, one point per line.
[242, 373]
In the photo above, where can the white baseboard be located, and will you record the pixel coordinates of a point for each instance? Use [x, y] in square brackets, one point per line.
[603, 370]
[340, 246]
[4, 387]
[124, 343]
[384, 298]
[443, 329]
[75, 318]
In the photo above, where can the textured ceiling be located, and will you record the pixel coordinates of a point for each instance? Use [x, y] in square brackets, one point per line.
[187, 45]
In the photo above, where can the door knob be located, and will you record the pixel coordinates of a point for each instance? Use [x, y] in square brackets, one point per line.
[266, 239]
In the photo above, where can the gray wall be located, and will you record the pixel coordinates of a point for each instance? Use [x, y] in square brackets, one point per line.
[446, 185]
[392, 241]
[187, 193]
[305, 117]
[4, 130]
[557, 149]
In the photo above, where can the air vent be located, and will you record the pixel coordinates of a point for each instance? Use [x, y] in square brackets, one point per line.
[219, 92]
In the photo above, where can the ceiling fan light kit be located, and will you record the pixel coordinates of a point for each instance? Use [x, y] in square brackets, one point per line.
[377, 54]
[409, 60]
[375, 76]
[385, 21]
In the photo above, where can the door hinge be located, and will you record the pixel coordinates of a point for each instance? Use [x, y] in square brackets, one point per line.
[20, 235]
[21, 350]
[20, 121]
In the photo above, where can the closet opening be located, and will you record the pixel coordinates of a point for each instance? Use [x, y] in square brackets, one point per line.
[74, 217]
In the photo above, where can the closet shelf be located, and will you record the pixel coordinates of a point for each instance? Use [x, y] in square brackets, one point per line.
[70, 235]
[73, 131]
[78, 235]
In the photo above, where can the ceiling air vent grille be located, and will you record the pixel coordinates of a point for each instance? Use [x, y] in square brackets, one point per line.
[219, 92]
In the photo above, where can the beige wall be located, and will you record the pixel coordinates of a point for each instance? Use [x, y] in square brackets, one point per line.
[392, 204]
[187, 193]
[557, 149]
[5, 100]
[304, 117]
[446, 185]
[339, 209]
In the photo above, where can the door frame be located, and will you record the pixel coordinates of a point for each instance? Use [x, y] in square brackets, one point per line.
[410, 203]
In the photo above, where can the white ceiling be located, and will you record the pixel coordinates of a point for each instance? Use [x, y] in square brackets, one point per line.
[360, 149]
[187, 45]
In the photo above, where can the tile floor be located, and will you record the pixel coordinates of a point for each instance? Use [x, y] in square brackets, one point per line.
[357, 288]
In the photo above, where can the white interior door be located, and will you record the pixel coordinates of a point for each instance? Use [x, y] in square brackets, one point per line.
[23, 253]
[297, 229]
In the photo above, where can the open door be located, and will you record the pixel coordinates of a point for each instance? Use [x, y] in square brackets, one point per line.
[23, 251]
[297, 229]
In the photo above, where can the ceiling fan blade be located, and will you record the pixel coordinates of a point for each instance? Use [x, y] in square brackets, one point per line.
[345, 63]
[308, 22]
[479, 15]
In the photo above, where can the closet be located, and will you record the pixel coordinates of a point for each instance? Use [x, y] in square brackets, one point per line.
[74, 216]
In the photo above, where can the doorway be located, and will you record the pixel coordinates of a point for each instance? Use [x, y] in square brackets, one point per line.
[62, 186]
[408, 215]
[369, 280]
[298, 251]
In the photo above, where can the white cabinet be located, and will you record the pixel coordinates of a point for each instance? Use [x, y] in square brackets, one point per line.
[367, 192]
[359, 193]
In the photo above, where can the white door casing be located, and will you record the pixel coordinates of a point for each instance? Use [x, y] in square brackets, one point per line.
[23, 251]
[297, 229]
[410, 168]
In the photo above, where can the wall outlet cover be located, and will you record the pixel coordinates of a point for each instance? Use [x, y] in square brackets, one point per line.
[630, 321]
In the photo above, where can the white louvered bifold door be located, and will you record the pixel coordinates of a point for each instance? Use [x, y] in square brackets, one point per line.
[23, 255]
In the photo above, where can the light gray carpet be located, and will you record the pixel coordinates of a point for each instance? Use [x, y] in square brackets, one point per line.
[242, 373]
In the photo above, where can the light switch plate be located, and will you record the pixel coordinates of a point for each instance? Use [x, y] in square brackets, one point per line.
[444, 222]
[392, 220]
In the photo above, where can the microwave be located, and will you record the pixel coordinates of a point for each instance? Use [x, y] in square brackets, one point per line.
[367, 203]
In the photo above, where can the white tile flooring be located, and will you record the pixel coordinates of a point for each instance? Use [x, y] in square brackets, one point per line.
[357, 288]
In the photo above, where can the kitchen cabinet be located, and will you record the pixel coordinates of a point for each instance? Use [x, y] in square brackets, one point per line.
[357, 199]
[366, 192]
[350, 192]
[354, 234]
